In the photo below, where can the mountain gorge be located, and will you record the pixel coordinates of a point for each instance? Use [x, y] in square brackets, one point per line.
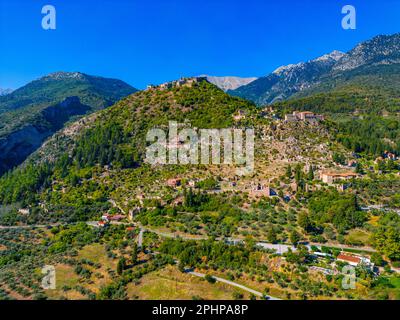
[34, 112]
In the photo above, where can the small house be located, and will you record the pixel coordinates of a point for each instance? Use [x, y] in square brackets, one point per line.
[117, 217]
[24, 211]
[173, 183]
[349, 259]
[352, 163]
[354, 260]
[304, 116]
[102, 223]
[330, 177]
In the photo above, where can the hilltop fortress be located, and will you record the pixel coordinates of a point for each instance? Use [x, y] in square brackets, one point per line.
[182, 82]
[304, 116]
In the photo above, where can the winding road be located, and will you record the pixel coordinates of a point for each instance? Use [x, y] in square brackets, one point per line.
[280, 248]
[234, 284]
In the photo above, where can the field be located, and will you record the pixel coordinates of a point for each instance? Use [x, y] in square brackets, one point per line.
[169, 283]
[358, 237]
[69, 283]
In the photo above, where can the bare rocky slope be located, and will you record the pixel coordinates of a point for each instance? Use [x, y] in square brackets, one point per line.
[381, 51]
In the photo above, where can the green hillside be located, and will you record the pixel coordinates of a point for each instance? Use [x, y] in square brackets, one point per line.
[95, 166]
[368, 89]
[97, 92]
[117, 135]
[363, 105]
[34, 112]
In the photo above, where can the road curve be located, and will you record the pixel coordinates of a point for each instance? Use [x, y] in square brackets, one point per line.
[234, 284]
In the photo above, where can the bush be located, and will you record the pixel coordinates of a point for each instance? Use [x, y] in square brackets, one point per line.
[210, 278]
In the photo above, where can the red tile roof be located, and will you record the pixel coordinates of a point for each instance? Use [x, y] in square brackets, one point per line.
[348, 258]
[340, 174]
[117, 217]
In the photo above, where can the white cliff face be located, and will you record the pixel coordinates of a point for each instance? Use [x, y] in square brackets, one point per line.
[334, 55]
[379, 50]
[4, 92]
[64, 75]
[229, 83]
[284, 70]
[327, 60]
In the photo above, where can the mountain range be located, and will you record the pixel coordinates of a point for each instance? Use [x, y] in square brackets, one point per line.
[287, 81]
[331, 83]
[79, 145]
[35, 111]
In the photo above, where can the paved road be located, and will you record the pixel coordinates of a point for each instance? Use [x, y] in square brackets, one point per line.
[280, 248]
[140, 239]
[172, 235]
[50, 225]
[234, 284]
[342, 246]
[115, 205]
[29, 226]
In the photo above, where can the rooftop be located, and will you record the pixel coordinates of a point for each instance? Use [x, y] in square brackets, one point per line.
[340, 174]
[348, 258]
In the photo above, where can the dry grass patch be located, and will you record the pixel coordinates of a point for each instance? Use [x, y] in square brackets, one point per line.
[169, 283]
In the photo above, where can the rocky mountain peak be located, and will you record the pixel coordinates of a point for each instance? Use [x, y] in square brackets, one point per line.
[61, 75]
[290, 79]
[381, 49]
[283, 69]
[4, 92]
[334, 55]
[228, 82]
[326, 59]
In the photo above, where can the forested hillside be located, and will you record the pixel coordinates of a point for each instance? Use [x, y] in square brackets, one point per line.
[31, 114]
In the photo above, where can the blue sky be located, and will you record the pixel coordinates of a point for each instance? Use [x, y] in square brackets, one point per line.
[142, 42]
